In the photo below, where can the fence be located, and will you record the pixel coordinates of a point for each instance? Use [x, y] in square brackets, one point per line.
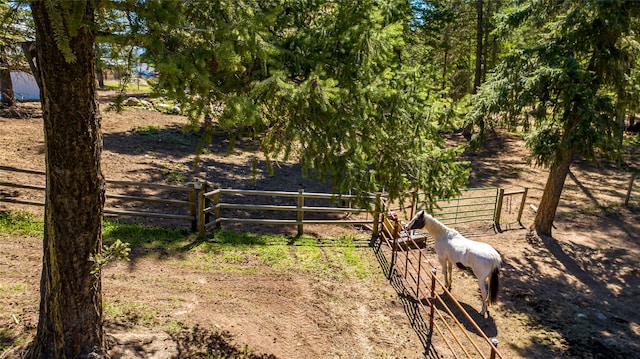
[409, 262]
[201, 204]
[297, 204]
[197, 204]
[474, 204]
[158, 198]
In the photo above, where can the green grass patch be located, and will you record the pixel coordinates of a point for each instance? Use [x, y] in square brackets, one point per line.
[130, 86]
[132, 313]
[12, 288]
[224, 250]
[149, 130]
[231, 251]
[10, 338]
[168, 134]
[20, 223]
[173, 175]
[144, 236]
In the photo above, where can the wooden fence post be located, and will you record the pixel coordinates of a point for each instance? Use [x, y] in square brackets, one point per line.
[498, 213]
[202, 216]
[216, 209]
[414, 203]
[630, 188]
[300, 211]
[193, 198]
[522, 203]
[376, 216]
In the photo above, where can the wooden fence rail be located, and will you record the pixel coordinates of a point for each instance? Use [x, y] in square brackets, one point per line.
[213, 207]
[206, 209]
[205, 206]
[190, 201]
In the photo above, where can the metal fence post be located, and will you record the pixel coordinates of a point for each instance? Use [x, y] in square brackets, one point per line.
[418, 276]
[300, 211]
[630, 188]
[432, 300]
[494, 345]
[394, 248]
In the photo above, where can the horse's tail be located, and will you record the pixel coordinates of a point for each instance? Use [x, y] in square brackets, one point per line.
[494, 285]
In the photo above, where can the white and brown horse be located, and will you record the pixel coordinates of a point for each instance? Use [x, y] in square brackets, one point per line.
[452, 247]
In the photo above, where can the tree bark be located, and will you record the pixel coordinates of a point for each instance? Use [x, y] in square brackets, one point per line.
[29, 50]
[70, 315]
[6, 88]
[543, 221]
[479, 51]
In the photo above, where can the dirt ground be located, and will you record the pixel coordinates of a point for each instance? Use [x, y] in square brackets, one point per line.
[572, 296]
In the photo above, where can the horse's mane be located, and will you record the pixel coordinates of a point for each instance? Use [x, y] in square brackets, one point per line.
[434, 226]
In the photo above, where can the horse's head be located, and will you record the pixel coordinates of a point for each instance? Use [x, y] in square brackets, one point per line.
[418, 221]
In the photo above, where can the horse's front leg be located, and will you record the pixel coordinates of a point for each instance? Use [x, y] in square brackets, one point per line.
[450, 273]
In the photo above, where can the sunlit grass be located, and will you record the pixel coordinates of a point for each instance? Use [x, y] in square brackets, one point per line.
[12, 288]
[145, 236]
[224, 250]
[133, 86]
[135, 313]
[231, 251]
[20, 223]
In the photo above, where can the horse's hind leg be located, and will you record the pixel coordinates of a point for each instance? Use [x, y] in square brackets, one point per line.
[443, 264]
[482, 283]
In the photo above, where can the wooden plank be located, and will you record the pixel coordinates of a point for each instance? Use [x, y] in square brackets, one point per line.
[108, 211]
[147, 185]
[20, 201]
[27, 186]
[23, 170]
[268, 207]
[174, 202]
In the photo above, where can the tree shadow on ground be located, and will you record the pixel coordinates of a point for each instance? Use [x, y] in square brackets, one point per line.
[196, 342]
[412, 308]
[583, 294]
[203, 343]
[179, 165]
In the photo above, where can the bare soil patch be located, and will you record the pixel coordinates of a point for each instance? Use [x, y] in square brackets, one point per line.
[574, 295]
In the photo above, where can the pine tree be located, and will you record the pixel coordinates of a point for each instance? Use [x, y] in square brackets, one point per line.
[324, 83]
[572, 79]
[70, 316]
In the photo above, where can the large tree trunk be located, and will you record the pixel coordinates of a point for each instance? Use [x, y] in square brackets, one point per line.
[552, 190]
[6, 84]
[6, 88]
[29, 50]
[70, 317]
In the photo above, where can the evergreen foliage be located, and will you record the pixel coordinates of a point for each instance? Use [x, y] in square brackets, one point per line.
[573, 80]
[569, 86]
[322, 83]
